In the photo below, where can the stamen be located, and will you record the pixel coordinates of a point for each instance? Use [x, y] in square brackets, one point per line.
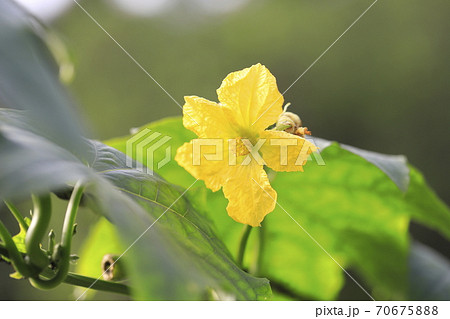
[241, 149]
[302, 131]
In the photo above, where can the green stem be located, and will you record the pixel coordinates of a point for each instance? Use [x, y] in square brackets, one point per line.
[243, 244]
[39, 223]
[79, 280]
[256, 267]
[63, 252]
[92, 283]
[17, 215]
[12, 252]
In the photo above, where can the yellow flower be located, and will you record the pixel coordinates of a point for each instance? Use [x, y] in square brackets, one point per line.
[233, 145]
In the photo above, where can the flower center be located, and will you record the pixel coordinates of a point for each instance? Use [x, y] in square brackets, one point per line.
[241, 149]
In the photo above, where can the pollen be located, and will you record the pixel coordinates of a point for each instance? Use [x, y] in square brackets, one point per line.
[241, 148]
[302, 131]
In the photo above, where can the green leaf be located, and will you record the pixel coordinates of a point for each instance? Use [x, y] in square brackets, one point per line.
[425, 206]
[171, 221]
[394, 166]
[16, 275]
[173, 252]
[169, 127]
[30, 162]
[19, 239]
[354, 207]
[103, 239]
[29, 78]
[346, 210]
[177, 259]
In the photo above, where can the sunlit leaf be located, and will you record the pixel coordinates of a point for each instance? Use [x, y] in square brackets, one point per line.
[353, 209]
[394, 166]
[425, 206]
[170, 244]
[173, 252]
[170, 127]
[103, 239]
[19, 239]
[170, 220]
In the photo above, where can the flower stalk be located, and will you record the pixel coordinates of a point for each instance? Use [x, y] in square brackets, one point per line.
[243, 244]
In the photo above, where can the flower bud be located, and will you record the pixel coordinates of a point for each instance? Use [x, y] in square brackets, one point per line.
[290, 121]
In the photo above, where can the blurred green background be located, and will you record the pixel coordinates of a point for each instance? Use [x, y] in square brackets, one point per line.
[384, 86]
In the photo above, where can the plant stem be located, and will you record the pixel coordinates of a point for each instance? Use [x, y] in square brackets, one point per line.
[79, 280]
[12, 252]
[256, 267]
[40, 220]
[17, 215]
[243, 244]
[63, 251]
[92, 283]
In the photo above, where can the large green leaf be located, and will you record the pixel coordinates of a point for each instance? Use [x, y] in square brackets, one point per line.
[194, 247]
[103, 239]
[42, 150]
[173, 253]
[352, 210]
[170, 127]
[354, 206]
[394, 166]
[29, 78]
[425, 206]
[30, 162]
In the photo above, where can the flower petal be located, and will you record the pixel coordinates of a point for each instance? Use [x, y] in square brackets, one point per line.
[249, 194]
[284, 152]
[206, 118]
[205, 159]
[253, 97]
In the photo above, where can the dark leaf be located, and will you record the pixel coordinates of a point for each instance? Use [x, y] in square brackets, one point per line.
[429, 276]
